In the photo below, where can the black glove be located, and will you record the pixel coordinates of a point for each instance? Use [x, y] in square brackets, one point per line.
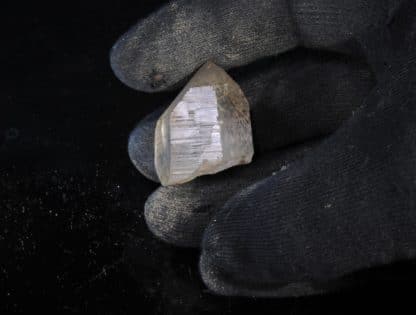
[332, 188]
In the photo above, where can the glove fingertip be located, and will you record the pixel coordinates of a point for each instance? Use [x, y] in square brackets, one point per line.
[141, 146]
[173, 216]
[131, 62]
[210, 276]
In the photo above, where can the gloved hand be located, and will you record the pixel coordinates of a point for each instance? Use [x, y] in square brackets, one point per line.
[332, 188]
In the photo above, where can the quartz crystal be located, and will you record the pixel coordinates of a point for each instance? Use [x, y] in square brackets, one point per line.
[205, 130]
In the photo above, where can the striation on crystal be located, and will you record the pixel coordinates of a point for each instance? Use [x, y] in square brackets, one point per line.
[205, 130]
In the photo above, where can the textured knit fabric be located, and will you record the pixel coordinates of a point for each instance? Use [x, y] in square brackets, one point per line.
[332, 188]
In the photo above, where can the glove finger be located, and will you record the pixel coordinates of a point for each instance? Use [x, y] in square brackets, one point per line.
[179, 214]
[167, 46]
[141, 145]
[162, 50]
[300, 96]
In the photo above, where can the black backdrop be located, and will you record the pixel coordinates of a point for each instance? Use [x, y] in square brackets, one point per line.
[72, 233]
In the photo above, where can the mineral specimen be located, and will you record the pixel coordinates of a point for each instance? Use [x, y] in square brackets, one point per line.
[205, 130]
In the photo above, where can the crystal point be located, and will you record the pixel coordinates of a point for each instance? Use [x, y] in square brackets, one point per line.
[205, 130]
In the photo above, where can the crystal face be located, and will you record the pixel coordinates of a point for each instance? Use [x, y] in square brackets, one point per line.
[205, 130]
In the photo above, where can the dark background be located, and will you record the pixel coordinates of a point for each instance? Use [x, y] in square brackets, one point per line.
[72, 234]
